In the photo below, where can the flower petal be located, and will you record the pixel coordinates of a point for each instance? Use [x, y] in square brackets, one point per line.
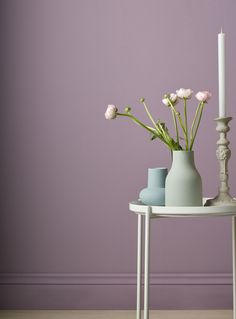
[203, 96]
[110, 113]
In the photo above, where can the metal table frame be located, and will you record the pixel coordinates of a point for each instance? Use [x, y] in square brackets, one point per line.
[151, 212]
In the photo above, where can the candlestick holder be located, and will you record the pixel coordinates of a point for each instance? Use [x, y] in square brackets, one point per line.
[223, 154]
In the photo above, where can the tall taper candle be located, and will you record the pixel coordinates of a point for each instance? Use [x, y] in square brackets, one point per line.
[221, 73]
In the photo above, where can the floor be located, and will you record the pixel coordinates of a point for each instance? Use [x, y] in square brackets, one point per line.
[115, 314]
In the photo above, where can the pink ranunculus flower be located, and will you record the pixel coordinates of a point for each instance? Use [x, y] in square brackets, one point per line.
[203, 96]
[184, 93]
[172, 97]
[110, 113]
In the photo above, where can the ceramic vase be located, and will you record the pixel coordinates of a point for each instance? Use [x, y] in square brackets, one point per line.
[183, 182]
[154, 193]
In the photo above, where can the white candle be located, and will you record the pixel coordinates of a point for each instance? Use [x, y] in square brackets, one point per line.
[221, 73]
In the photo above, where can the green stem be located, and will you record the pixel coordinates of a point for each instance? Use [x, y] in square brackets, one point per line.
[179, 118]
[198, 123]
[186, 122]
[137, 121]
[194, 121]
[176, 126]
[151, 118]
[165, 134]
[169, 143]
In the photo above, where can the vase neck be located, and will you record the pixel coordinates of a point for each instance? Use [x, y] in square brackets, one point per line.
[185, 158]
[157, 177]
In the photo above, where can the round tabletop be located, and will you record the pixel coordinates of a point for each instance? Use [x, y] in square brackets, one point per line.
[193, 211]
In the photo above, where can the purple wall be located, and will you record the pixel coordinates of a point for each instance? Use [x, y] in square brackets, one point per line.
[67, 239]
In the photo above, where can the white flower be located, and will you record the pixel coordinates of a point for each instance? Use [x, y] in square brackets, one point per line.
[171, 97]
[110, 113]
[203, 96]
[184, 93]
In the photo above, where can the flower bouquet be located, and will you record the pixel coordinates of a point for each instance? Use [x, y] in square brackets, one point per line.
[183, 183]
[159, 128]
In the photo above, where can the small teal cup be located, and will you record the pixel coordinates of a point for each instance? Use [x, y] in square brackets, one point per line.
[154, 193]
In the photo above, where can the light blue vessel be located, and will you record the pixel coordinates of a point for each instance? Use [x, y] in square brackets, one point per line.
[154, 194]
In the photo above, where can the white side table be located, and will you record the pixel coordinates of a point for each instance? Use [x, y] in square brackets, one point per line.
[151, 212]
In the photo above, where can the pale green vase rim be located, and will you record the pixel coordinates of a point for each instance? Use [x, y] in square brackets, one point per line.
[184, 151]
[152, 168]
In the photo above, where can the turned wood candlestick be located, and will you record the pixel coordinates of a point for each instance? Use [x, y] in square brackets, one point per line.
[223, 154]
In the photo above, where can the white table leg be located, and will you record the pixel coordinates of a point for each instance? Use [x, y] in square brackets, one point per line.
[146, 263]
[139, 267]
[234, 264]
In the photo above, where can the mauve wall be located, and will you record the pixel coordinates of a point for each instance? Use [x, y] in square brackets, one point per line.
[67, 239]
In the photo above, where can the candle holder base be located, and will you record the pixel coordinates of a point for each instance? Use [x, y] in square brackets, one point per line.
[221, 200]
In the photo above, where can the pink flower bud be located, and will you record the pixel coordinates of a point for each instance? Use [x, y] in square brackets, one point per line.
[184, 93]
[110, 113]
[203, 96]
[170, 98]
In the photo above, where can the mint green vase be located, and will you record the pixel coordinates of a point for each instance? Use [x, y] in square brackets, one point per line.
[183, 182]
[154, 193]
